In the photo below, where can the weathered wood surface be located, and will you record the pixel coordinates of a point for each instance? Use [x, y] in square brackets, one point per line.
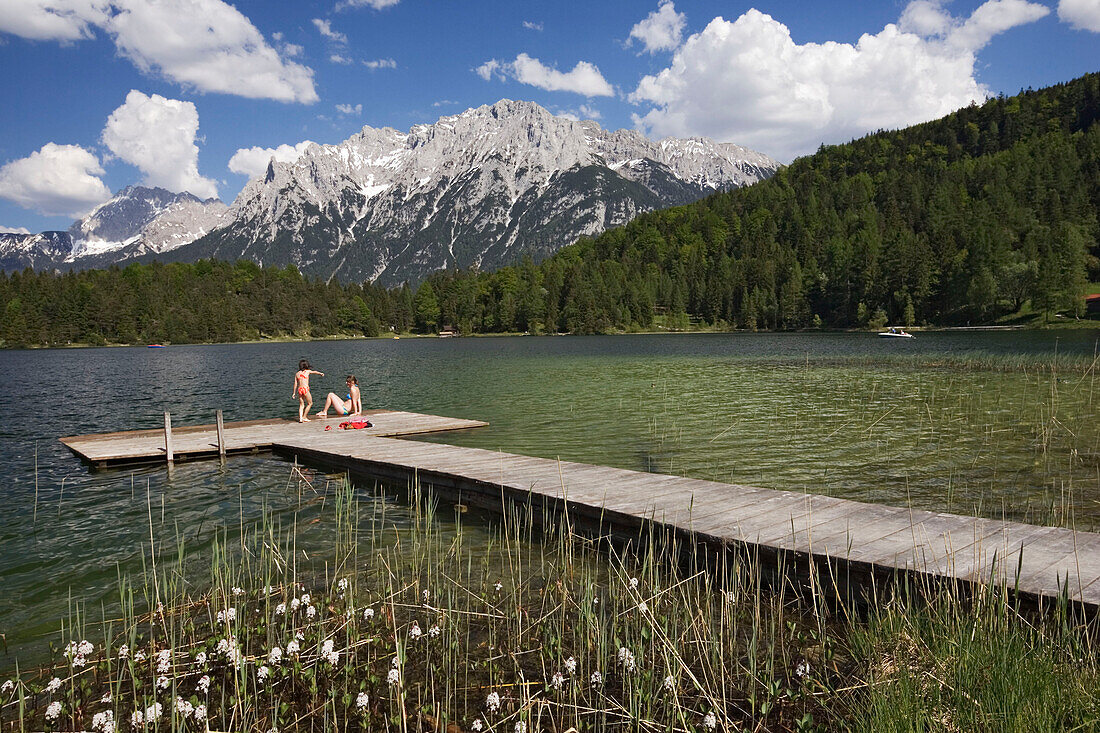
[193, 441]
[1042, 560]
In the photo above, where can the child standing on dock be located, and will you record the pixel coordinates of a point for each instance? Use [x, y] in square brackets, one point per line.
[301, 389]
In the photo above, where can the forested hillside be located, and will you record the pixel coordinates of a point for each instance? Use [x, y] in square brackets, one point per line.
[962, 220]
[986, 213]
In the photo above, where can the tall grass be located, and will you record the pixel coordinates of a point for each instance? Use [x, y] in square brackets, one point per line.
[417, 621]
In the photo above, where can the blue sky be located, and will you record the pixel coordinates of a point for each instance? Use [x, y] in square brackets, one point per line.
[197, 94]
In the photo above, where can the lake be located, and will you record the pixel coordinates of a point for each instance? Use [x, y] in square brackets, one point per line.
[968, 422]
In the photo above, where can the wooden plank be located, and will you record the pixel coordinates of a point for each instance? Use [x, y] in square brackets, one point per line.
[168, 436]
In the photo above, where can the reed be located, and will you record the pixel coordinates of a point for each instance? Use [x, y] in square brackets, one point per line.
[415, 621]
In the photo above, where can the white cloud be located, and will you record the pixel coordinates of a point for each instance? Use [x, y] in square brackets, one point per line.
[376, 4]
[52, 20]
[582, 112]
[380, 64]
[661, 30]
[347, 109]
[584, 79]
[532, 25]
[325, 28]
[339, 59]
[58, 180]
[13, 230]
[444, 102]
[205, 44]
[748, 82]
[253, 161]
[158, 136]
[486, 70]
[1084, 15]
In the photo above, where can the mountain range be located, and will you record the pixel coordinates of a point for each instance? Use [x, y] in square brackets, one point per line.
[483, 189]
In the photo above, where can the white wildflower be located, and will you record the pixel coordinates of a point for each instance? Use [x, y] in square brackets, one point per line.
[137, 719]
[78, 661]
[262, 673]
[203, 685]
[361, 702]
[53, 712]
[557, 681]
[200, 659]
[395, 663]
[104, 722]
[292, 648]
[596, 679]
[86, 647]
[710, 722]
[163, 682]
[153, 712]
[520, 727]
[106, 699]
[426, 595]
[227, 616]
[294, 604]
[222, 647]
[492, 702]
[53, 685]
[7, 687]
[476, 725]
[310, 611]
[670, 683]
[139, 656]
[368, 614]
[123, 651]
[643, 606]
[275, 655]
[626, 658]
[414, 631]
[342, 584]
[596, 601]
[633, 584]
[164, 660]
[280, 609]
[571, 665]
[434, 631]
[184, 707]
[199, 713]
[268, 589]
[305, 598]
[498, 586]
[802, 669]
[394, 676]
[238, 591]
[331, 655]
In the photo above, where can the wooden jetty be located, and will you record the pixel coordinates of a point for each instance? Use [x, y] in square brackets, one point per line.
[252, 436]
[861, 541]
[851, 543]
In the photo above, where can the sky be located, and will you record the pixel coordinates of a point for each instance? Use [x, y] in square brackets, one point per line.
[197, 95]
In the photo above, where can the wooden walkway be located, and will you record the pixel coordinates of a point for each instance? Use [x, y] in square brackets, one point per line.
[201, 441]
[857, 539]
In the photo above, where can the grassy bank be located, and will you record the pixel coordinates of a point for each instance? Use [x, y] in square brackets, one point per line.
[420, 622]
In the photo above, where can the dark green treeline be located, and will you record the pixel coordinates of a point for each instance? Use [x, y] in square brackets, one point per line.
[188, 303]
[988, 212]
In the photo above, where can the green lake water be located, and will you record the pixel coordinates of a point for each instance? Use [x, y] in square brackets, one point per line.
[968, 422]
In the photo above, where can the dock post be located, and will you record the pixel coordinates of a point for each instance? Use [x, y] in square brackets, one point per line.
[168, 436]
[221, 435]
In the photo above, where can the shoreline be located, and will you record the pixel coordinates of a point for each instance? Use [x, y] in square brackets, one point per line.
[1057, 326]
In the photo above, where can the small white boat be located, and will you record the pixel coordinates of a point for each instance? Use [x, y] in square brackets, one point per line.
[896, 333]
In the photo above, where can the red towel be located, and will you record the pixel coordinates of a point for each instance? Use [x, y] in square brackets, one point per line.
[355, 425]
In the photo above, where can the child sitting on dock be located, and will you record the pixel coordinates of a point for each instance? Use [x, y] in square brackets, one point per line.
[352, 405]
[301, 389]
